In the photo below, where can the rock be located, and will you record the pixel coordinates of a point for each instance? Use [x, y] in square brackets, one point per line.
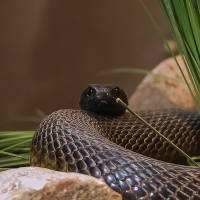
[36, 183]
[155, 92]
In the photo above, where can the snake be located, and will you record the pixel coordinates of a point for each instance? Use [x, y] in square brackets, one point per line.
[105, 141]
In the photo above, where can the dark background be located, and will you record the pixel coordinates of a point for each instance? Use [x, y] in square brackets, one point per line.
[51, 50]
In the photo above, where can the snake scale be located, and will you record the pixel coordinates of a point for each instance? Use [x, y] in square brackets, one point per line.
[109, 146]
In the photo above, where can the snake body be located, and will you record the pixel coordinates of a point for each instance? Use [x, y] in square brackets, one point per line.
[109, 147]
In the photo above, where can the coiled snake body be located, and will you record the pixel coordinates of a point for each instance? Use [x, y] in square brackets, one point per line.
[93, 144]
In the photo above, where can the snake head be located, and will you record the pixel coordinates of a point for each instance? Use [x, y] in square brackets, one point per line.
[102, 99]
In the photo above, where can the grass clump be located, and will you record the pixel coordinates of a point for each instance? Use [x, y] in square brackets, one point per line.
[184, 20]
[14, 149]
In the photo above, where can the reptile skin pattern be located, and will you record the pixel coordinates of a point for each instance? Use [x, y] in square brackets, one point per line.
[110, 148]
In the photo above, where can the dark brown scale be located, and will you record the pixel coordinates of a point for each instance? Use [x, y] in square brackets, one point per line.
[177, 183]
[166, 192]
[156, 183]
[103, 168]
[149, 187]
[69, 158]
[196, 197]
[140, 192]
[90, 162]
[78, 141]
[72, 167]
[81, 165]
[94, 171]
[182, 195]
[158, 196]
[77, 155]
[116, 187]
[188, 191]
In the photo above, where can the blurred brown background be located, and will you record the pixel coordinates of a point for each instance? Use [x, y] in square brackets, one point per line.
[51, 50]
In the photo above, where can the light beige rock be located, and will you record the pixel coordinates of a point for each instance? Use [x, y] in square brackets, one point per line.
[33, 183]
[155, 92]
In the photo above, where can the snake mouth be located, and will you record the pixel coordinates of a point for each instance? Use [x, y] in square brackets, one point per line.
[102, 103]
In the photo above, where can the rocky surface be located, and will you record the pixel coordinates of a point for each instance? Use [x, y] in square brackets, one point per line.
[154, 92]
[32, 183]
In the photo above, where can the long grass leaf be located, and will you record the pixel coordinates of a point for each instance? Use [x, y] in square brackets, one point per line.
[179, 18]
[140, 71]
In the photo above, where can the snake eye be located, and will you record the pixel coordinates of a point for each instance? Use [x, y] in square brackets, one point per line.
[117, 91]
[91, 92]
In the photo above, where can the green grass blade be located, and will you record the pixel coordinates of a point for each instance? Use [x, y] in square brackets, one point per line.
[140, 71]
[14, 149]
[179, 14]
[15, 145]
[11, 154]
